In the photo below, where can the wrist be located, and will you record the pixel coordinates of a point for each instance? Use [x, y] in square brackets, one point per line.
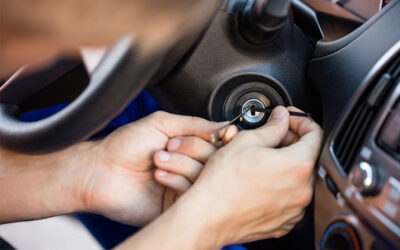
[77, 164]
[39, 186]
[187, 224]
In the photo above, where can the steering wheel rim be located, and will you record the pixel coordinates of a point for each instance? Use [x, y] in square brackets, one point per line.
[119, 77]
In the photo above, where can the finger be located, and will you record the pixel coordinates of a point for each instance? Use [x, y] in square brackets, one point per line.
[272, 133]
[285, 229]
[290, 215]
[297, 218]
[310, 136]
[293, 136]
[192, 146]
[230, 133]
[306, 149]
[174, 181]
[289, 139]
[301, 125]
[177, 125]
[170, 196]
[178, 164]
[291, 223]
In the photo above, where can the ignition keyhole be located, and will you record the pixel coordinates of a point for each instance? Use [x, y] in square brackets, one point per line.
[253, 110]
[250, 113]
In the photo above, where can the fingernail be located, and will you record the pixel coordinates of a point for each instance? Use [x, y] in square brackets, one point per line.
[162, 173]
[163, 156]
[174, 144]
[232, 130]
[278, 112]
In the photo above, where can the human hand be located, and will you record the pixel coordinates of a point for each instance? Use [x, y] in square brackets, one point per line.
[113, 177]
[182, 161]
[119, 177]
[255, 187]
[258, 185]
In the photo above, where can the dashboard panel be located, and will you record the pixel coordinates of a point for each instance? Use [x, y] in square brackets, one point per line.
[358, 182]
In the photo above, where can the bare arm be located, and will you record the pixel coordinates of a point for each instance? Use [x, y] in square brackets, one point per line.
[113, 177]
[185, 225]
[34, 187]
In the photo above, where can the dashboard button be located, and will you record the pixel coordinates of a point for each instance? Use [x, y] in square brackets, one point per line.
[390, 210]
[365, 179]
[394, 195]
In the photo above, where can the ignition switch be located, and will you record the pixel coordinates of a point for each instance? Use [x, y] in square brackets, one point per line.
[252, 116]
[252, 94]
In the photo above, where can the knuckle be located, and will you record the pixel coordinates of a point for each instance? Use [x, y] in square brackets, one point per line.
[279, 233]
[187, 144]
[158, 114]
[300, 217]
[304, 170]
[157, 117]
[306, 197]
[177, 160]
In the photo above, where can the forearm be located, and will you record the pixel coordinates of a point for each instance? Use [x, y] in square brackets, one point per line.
[183, 226]
[34, 187]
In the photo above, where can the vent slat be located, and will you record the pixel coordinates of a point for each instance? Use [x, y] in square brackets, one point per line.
[343, 138]
[350, 138]
[357, 140]
[353, 134]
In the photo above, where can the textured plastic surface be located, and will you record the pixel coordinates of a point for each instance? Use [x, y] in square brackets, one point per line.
[339, 74]
[222, 55]
[342, 71]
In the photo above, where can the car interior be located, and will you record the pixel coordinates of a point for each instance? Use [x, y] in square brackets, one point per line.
[336, 59]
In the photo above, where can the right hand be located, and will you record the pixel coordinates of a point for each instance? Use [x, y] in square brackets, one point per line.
[181, 163]
[258, 185]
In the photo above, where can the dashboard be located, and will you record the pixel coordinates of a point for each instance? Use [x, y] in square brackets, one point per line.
[348, 78]
[357, 199]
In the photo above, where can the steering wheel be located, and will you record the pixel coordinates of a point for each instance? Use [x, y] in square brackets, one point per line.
[119, 77]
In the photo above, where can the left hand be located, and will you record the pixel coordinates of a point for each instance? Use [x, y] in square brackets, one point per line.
[113, 177]
[182, 161]
[119, 181]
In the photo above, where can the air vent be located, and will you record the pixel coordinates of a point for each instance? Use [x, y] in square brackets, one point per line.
[354, 129]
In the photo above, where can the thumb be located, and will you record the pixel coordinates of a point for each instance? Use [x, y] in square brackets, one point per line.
[230, 133]
[178, 125]
[275, 130]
